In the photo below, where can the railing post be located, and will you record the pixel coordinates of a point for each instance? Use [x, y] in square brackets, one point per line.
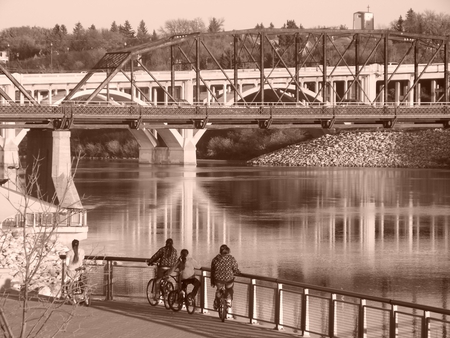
[425, 325]
[63, 275]
[393, 327]
[108, 280]
[304, 323]
[362, 323]
[332, 315]
[204, 294]
[252, 302]
[279, 308]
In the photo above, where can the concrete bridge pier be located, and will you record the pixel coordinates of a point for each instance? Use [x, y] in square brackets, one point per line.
[168, 146]
[9, 156]
[49, 158]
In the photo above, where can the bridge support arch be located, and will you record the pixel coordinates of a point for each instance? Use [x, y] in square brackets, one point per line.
[168, 146]
[156, 145]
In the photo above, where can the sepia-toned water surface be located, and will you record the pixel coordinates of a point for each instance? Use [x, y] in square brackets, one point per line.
[377, 231]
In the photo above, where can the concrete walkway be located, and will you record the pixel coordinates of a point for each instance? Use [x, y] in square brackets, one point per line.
[126, 319]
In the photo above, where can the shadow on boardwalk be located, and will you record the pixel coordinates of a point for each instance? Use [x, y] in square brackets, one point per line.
[125, 319]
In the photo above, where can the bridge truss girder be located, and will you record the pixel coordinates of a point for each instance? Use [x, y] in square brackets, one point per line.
[290, 49]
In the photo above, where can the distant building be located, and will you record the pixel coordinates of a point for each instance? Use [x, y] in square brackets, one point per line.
[363, 20]
[4, 56]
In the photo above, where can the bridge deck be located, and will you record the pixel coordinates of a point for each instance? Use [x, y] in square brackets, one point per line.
[95, 116]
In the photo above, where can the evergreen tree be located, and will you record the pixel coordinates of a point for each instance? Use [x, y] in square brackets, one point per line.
[154, 36]
[215, 25]
[126, 30]
[78, 37]
[63, 30]
[142, 32]
[114, 27]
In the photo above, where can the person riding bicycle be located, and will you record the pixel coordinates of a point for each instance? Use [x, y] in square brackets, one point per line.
[186, 267]
[74, 263]
[224, 268]
[165, 258]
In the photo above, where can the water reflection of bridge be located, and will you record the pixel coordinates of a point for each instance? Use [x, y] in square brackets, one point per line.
[200, 220]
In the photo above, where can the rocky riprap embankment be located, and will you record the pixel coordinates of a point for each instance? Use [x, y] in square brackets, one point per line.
[397, 149]
[47, 280]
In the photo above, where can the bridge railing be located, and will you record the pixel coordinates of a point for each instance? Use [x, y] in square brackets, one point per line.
[68, 218]
[298, 307]
[162, 104]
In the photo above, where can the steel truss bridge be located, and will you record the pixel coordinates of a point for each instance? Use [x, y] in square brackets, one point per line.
[265, 50]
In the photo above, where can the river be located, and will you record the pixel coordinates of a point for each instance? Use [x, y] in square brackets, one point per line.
[378, 231]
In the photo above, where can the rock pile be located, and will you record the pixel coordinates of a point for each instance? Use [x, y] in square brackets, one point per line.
[45, 259]
[400, 149]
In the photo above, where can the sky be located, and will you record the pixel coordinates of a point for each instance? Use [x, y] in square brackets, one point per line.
[236, 14]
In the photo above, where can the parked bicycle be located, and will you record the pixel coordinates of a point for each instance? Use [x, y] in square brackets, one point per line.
[159, 290]
[176, 299]
[75, 289]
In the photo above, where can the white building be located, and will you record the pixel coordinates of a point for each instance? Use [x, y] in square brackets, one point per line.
[363, 20]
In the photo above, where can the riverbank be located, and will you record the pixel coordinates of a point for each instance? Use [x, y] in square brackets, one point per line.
[393, 149]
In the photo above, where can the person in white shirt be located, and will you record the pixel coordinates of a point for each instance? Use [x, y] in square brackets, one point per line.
[74, 259]
[186, 266]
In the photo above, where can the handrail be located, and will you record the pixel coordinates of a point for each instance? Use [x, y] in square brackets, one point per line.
[392, 302]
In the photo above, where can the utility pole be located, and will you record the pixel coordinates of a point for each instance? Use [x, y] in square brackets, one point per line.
[51, 56]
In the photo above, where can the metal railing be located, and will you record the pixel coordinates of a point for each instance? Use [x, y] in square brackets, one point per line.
[302, 308]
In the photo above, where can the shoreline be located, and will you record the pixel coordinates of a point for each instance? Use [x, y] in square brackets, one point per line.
[380, 149]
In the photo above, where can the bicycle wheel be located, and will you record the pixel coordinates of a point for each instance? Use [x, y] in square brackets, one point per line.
[190, 304]
[174, 300]
[152, 298]
[87, 299]
[166, 289]
[223, 309]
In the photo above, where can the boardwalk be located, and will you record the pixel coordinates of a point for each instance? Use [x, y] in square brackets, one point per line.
[125, 319]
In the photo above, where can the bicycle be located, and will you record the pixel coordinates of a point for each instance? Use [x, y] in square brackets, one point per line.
[223, 305]
[75, 289]
[165, 286]
[176, 299]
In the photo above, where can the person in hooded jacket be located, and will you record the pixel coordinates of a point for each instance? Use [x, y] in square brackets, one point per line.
[224, 268]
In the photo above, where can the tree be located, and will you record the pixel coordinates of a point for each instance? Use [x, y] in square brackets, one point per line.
[142, 32]
[154, 36]
[114, 27]
[36, 266]
[182, 26]
[398, 25]
[215, 25]
[127, 31]
[78, 37]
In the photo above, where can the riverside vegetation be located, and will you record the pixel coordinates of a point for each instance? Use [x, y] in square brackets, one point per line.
[291, 147]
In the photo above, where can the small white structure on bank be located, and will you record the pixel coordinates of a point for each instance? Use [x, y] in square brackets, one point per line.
[18, 210]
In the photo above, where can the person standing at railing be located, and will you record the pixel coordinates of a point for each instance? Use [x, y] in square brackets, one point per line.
[164, 258]
[74, 264]
[224, 268]
[186, 267]
[74, 259]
